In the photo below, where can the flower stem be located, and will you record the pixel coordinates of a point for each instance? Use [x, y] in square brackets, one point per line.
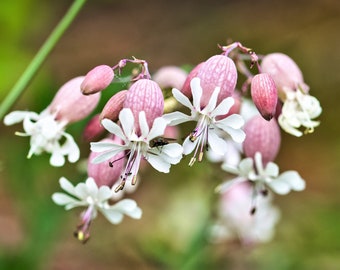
[40, 57]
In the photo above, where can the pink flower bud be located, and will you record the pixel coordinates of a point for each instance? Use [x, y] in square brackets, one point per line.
[97, 79]
[106, 173]
[145, 95]
[264, 95]
[262, 136]
[217, 71]
[70, 104]
[113, 106]
[170, 76]
[93, 130]
[186, 89]
[284, 71]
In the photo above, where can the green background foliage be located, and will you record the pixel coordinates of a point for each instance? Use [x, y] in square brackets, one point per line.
[36, 234]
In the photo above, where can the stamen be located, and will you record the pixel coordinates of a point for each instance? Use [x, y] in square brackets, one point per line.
[134, 180]
[192, 161]
[83, 229]
[200, 156]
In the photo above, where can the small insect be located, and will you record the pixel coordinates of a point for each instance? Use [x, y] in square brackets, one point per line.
[160, 141]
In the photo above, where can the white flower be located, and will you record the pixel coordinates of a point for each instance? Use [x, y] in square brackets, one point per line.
[95, 199]
[208, 129]
[298, 110]
[263, 177]
[235, 220]
[137, 146]
[45, 132]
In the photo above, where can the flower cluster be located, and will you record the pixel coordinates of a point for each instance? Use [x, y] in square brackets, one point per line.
[139, 124]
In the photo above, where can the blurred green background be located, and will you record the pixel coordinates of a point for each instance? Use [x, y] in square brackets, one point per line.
[36, 234]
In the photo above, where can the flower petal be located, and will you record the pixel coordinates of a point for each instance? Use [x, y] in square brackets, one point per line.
[158, 127]
[189, 146]
[212, 101]
[113, 128]
[112, 215]
[67, 185]
[143, 124]
[158, 163]
[63, 199]
[234, 121]
[176, 118]
[19, 116]
[224, 107]
[217, 144]
[196, 91]
[127, 121]
[181, 98]
[228, 184]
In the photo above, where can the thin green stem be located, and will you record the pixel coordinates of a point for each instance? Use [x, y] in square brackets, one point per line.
[40, 57]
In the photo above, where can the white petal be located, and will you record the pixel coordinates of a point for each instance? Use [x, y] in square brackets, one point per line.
[92, 187]
[18, 116]
[176, 118]
[189, 146]
[29, 126]
[113, 128]
[217, 144]
[70, 148]
[57, 159]
[125, 205]
[66, 185]
[112, 215]
[143, 124]
[172, 149]
[136, 213]
[237, 135]
[224, 107]
[272, 169]
[294, 180]
[196, 91]
[104, 193]
[127, 121]
[106, 156]
[63, 199]
[279, 187]
[212, 101]
[181, 98]
[81, 191]
[158, 163]
[234, 121]
[104, 146]
[157, 129]
[228, 184]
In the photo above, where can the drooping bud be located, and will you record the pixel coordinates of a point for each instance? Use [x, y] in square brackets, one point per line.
[217, 71]
[93, 129]
[285, 72]
[70, 104]
[145, 95]
[264, 94]
[186, 89]
[106, 173]
[169, 77]
[113, 106]
[97, 79]
[262, 136]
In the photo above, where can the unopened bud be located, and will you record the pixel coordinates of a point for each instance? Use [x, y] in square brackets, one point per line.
[186, 89]
[113, 106]
[169, 77]
[262, 136]
[285, 72]
[70, 104]
[145, 95]
[106, 173]
[264, 95]
[93, 129]
[97, 79]
[217, 71]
